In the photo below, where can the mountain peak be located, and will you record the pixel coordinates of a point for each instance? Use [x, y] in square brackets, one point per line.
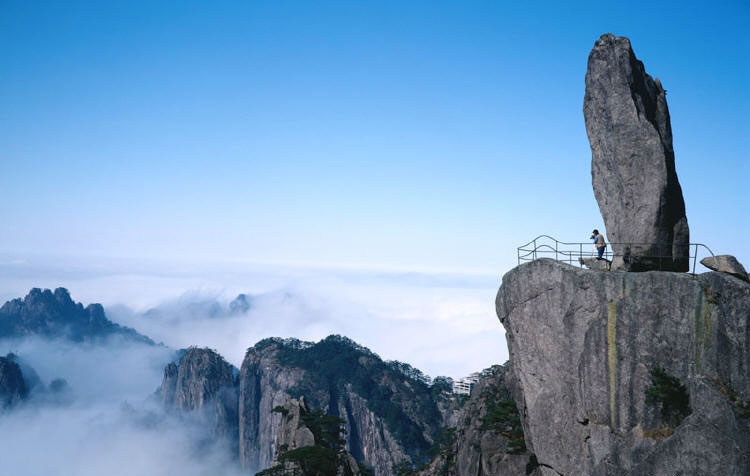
[55, 315]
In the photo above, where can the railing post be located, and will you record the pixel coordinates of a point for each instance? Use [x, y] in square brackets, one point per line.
[695, 257]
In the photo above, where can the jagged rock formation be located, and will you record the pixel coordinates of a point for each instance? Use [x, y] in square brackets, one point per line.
[389, 417]
[240, 304]
[726, 264]
[488, 440]
[293, 433]
[195, 308]
[203, 384]
[13, 387]
[585, 347]
[55, 315]
[632, 166]
[309, 444]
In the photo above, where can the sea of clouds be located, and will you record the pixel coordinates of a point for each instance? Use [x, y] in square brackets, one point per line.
[442, 323]
[106, 419]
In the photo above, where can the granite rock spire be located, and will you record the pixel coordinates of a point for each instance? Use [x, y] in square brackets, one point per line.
[633, 166]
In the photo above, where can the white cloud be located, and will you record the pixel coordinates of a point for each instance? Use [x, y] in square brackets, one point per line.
[442, 323]
[110, 426]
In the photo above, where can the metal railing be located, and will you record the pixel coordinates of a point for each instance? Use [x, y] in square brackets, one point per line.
[545, 246]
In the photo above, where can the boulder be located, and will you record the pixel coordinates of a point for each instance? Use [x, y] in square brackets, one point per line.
[726, 264]
[632, 161]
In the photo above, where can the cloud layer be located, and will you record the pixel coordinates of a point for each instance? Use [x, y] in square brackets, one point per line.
[106, 423]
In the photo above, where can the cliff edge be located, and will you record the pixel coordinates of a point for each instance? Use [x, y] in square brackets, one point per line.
[630, 373]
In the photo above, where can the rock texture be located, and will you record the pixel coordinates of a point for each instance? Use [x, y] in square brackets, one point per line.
[597, 264]
[726, 264]
[54, 315]
[633, 165]
[389, 417]
[203, 384]
[13, 388]
[479, 445]
[583, 346]
[295, 433]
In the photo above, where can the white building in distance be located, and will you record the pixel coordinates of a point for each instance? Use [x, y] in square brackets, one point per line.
[464, 385]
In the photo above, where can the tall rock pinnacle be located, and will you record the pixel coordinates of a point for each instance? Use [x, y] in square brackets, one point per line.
[632, 165]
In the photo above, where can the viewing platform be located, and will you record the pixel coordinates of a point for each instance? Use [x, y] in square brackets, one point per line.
[545, 246]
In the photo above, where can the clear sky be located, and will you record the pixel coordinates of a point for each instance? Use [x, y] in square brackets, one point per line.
[406, 135]
[424, 134]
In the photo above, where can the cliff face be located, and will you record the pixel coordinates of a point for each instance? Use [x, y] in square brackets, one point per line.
[632, 160]
[388, 416]
[13, 387]
[488, 439]
[264, 385]
[586, 347]
[203, 384]
[309, 443]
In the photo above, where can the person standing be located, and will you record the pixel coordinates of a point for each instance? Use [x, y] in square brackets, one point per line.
[599, 243]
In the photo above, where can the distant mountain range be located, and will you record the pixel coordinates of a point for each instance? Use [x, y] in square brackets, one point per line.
[393, 419]
[53, 314]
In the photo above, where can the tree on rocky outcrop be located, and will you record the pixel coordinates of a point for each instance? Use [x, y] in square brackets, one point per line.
[670, 396]
[311, 444]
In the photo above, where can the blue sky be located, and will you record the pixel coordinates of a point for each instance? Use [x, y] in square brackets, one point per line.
[436, 135]
[345, 153]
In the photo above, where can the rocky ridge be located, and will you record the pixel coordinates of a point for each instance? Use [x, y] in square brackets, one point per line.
[55, 315]
[389, 414]
[389, 417]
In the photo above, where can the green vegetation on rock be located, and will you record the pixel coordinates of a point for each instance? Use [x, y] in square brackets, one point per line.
[502, 416]
[670, 395]
[389, 388]
[321, 459]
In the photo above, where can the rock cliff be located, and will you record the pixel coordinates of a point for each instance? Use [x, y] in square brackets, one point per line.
[630, 373]
[633, 164]
[488, 439]
[310, 443]
[389, 417]
[203, 384]
[13, 387]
